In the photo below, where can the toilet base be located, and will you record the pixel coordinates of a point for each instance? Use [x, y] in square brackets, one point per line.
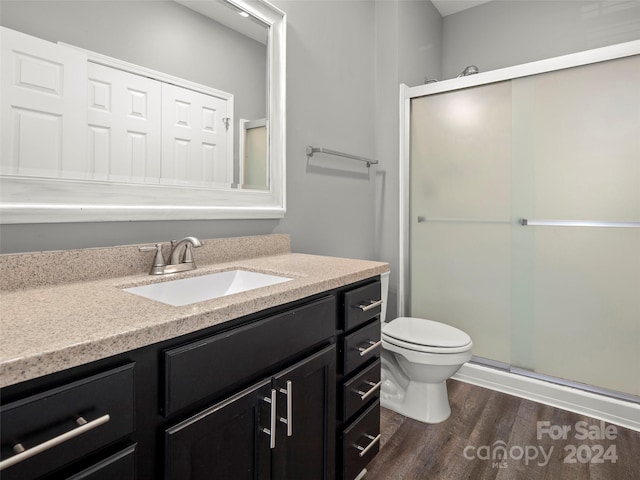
[425, 402]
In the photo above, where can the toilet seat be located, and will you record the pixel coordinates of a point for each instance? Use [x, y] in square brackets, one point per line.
[427, 336]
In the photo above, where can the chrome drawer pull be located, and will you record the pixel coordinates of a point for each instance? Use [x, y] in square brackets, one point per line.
[369, 306]
[289, 420]
[25, 454]
[271, 431]
[374, 387]
[373, 345]
[374, 440]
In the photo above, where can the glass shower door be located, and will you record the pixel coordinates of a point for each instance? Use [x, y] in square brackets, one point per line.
[576, 289]
[551, 298]
[460, 214]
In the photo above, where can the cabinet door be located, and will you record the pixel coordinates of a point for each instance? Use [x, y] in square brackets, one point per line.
[305, 434]
[225, 441]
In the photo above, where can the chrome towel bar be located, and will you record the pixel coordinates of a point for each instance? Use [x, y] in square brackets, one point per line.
[312, 150]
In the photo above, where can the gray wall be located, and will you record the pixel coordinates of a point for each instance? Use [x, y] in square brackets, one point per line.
[408, 48]
[501, 33]
[330, 66]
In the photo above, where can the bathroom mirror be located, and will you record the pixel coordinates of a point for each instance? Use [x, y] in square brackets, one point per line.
[232, 49]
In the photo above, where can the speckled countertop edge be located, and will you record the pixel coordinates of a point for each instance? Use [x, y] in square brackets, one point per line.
[50, 328]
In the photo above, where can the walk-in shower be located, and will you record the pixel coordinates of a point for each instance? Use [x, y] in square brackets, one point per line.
[521, 216]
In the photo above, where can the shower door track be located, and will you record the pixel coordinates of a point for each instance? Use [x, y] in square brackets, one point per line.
[505, 367]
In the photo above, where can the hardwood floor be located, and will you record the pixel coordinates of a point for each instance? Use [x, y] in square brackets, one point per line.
[467, 445]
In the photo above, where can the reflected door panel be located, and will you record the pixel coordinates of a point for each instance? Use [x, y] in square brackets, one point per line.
[197, 138]
[43, 87]
[124, 126]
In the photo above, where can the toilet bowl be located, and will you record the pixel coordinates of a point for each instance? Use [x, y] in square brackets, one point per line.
[418, 356]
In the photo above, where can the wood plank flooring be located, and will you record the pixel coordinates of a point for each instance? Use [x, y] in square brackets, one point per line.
[467, 445]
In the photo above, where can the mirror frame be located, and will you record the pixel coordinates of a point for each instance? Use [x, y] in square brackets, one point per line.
[60, 200]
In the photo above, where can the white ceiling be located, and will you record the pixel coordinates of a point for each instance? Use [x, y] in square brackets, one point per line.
[447, 7]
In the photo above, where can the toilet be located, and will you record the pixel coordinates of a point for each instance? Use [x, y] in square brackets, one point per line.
[418, 356]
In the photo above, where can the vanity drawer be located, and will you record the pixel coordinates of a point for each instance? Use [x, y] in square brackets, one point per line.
[361, 346]
[361, 442]
[74, 420]
[361, 390]
[361, 305]
[201, 369]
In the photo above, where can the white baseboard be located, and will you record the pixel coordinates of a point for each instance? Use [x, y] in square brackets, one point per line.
[619, 412]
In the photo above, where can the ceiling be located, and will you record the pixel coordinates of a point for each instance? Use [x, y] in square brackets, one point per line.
[447, 7]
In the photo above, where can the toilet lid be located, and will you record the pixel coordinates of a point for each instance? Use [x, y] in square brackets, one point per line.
[419, 331]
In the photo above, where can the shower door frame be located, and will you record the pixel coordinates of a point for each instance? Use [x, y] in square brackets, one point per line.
[407, 93]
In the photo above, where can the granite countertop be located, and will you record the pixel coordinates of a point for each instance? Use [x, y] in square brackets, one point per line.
[51, 327]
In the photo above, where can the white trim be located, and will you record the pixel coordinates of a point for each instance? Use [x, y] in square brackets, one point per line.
[404, 187]
[533, 68]
[612, 410]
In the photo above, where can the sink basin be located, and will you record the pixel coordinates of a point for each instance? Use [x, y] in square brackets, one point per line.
[186, 291]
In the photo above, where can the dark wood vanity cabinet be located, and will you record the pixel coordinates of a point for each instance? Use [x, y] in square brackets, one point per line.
[274, 395]
[73, 421]
[279, 428]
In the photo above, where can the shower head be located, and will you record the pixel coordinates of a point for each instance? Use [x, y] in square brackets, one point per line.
[470, 70]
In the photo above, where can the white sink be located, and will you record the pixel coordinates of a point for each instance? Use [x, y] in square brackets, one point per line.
[186, 291]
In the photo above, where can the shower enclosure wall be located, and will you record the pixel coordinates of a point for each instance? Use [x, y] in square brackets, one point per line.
[522, 211]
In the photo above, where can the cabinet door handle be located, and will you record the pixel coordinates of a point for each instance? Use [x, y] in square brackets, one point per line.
[271, 431]
[369, 306]
[25, 454]
[374, 386]
[374, 440]
[289, 420]
[372, 346]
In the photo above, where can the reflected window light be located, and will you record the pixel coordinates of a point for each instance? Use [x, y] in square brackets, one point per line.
[463, 111]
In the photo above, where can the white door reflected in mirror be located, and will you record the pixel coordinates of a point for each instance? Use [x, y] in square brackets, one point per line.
[109, 167]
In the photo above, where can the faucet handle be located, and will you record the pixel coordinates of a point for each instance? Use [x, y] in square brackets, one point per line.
[188, 254]
[158, 260]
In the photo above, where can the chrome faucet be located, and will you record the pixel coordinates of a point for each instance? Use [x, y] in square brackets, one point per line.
[177, 262]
